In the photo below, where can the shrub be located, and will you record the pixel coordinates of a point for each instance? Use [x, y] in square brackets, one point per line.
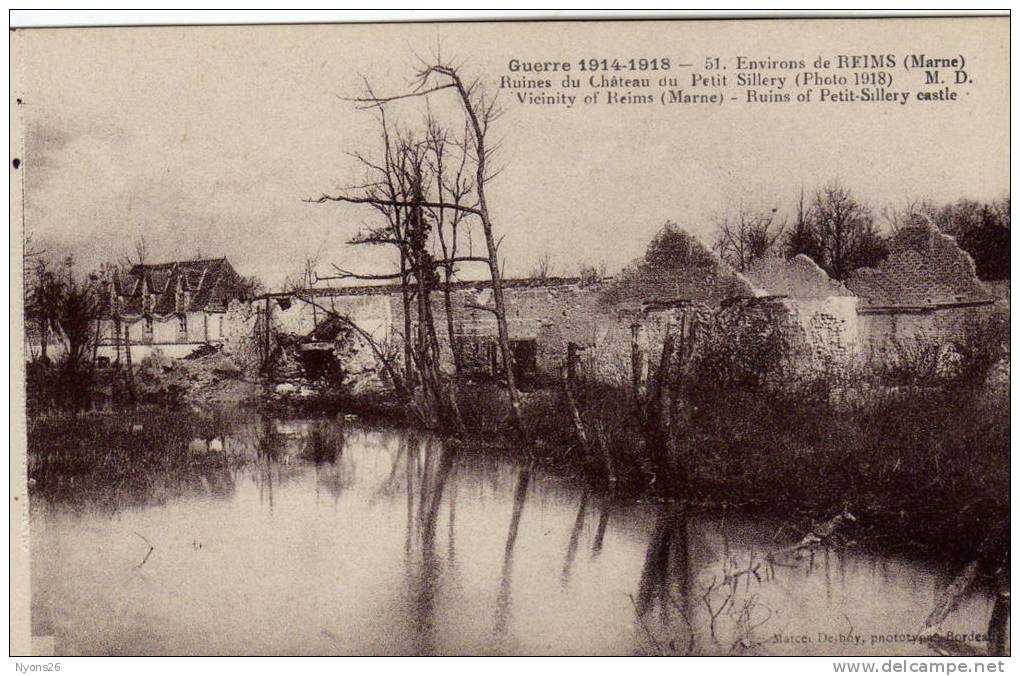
[913, 362]
[985, 341]
[65, 385]
[744, 350]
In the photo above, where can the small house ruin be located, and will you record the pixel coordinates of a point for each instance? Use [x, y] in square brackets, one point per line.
[926, 289]
[174, 307]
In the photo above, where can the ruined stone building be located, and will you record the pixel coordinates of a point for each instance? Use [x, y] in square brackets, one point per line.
[821, 312]
[927, 287]
[173, 307]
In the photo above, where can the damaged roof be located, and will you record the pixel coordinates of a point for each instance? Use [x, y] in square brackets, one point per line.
[207, 284]
[924, 268]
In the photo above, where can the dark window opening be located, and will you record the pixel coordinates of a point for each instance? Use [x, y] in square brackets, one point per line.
[525, 354]
[479, 355]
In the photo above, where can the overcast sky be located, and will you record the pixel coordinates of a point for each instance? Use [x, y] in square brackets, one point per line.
[206, 140]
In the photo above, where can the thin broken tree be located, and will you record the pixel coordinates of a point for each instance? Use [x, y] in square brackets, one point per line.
[424, 200]
[403, 186]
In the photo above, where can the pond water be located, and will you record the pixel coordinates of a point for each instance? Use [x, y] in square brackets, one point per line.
[340, 538]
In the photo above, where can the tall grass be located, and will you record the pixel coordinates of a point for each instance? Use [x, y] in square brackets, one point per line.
[923, 464]
[113, 460]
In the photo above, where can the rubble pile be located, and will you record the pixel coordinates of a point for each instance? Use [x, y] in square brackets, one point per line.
[332, 361]
[207, 376]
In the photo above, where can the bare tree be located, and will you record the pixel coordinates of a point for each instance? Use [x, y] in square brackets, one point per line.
[913, 212]
[139, 255]
[60, 304]
[982, 230]
[480, 111]
[800, 239]
[44, 297]
[30, 247]
[838, 231]
[543, 267]
[78, 312]
[456, 186]
[749, 235]
[417, 186]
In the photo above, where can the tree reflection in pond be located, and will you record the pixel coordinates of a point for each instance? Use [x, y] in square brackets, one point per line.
[423, 548]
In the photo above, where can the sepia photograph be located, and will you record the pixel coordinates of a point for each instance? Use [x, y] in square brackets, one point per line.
[650, 337]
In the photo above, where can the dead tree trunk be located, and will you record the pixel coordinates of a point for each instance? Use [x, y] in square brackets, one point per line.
[95, 344]
[435, 386]
[411, 192]
[607, 454]
[568, 376]
[44, 326]
[664, 406]
[657, 418]
[450, 330]
[481, 176]
[681, 466]
[638, 363]
[116, 339]
[405, 297]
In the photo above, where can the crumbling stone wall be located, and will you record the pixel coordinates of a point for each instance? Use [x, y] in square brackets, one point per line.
[676, 275]
[239, 334]
[884, 332]
[798, 277]
[676, 266]
[369, 309]
[550, 312]
[820, 313]
[825, 331]
[924, 267]
[926, 289]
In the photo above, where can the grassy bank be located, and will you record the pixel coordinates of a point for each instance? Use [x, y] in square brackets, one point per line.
[922, 468]
[123, 459]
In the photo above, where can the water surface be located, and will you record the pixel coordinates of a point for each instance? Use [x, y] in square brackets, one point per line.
[339, 538]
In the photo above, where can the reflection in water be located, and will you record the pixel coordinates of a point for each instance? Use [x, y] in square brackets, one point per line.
[665, 566]
[248, 558]
[269, 441]
[605, 506]
[427, 577]
[451, 549]
[324, 442]
[575, 536]
[503, 601]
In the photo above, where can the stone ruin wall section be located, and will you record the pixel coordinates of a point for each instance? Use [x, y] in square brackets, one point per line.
[926, 288]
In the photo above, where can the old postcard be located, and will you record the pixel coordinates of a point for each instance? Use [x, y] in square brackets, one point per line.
[672, 337]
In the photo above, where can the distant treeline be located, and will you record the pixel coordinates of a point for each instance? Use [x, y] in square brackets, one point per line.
[842, 233]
